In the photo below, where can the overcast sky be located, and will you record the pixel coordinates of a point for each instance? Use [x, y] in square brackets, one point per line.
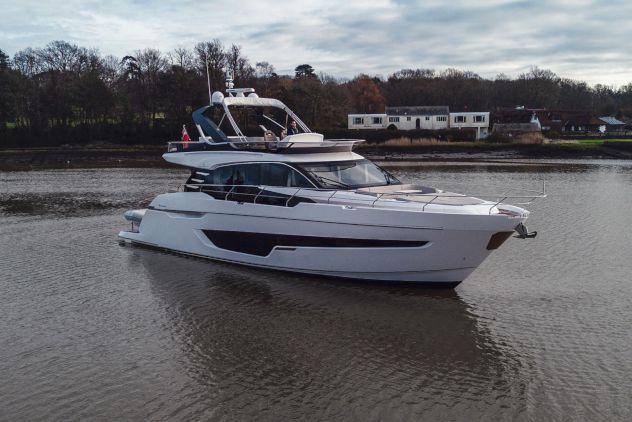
[579, 39]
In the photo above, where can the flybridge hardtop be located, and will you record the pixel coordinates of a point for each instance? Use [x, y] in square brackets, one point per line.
[267, 192]
[245, 122]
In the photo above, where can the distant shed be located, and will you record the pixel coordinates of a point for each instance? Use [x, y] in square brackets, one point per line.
[613, 125]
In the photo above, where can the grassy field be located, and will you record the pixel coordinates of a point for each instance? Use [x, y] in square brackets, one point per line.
[600, 141]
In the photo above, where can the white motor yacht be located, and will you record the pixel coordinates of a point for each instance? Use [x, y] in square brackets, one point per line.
[261, 197]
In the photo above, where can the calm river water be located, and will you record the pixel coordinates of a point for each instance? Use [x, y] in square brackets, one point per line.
[92, 330]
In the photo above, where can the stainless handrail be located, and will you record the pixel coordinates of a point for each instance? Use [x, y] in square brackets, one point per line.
[372, 202]
[377, 198]
[427, 203]
[331, 196]
[291, 197]
[254, 201]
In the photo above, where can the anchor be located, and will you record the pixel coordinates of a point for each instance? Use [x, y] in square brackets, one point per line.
[523, 232]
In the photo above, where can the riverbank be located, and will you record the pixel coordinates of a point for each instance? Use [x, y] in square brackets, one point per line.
[86, 156]
[98, 156]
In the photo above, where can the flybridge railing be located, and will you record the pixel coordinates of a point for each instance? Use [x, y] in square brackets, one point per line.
[272, 146]
[262, 194]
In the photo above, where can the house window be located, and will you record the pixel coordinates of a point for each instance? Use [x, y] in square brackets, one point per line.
[442, 118]
[377, 120]
[358, 120]
[479, 119]
[408, 119]
[459, 119]
[427, 118]
[393, 119]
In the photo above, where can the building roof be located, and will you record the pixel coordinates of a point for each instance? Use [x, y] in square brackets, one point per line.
[512, 115]
[418, 111]
[566, 117]
[468, 113]
[367, 115]
[516, 127]
[609, 120]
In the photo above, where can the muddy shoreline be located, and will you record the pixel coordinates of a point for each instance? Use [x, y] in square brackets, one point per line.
[151, 156]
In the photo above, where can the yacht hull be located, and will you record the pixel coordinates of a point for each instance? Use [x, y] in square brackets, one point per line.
[359, 243]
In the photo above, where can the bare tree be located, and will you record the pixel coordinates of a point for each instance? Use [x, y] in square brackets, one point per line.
[211, 54]
[182, 57]
[27, 62]
[264, 77]
[62, 56]
[239, 65]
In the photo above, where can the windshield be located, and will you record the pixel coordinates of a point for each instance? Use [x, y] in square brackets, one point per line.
[348, 174]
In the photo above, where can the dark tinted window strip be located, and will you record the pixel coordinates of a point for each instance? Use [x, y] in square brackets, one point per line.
[261, 244]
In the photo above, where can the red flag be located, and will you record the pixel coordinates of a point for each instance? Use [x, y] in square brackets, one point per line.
[185, 134]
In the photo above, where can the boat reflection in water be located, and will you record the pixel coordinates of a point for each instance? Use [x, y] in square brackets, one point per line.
[258, 343]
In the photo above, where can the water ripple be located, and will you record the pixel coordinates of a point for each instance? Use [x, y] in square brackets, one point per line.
[93, 330]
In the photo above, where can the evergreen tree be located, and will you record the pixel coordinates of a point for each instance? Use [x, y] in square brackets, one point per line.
[304, 71]
[4, 60]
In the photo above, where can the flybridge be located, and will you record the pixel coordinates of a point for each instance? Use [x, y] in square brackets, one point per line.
[242, 120]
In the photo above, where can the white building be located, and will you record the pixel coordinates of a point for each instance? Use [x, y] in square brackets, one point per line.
[366, 121]
[478, 120]
[423, 117]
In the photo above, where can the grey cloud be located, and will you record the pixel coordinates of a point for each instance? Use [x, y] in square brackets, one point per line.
[585, 40]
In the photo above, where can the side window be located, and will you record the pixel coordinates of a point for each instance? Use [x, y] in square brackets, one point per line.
[297, 180]
[251, 174]
[238, 174]
[222, 176]
[274, 175]
[264, 174]
[282, 175]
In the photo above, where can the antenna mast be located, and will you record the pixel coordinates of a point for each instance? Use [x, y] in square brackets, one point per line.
[208, 80]
[229, 82]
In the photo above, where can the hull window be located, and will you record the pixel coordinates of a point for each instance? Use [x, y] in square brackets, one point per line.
[261, 244]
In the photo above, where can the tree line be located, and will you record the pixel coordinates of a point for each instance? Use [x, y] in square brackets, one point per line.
[64, 93]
